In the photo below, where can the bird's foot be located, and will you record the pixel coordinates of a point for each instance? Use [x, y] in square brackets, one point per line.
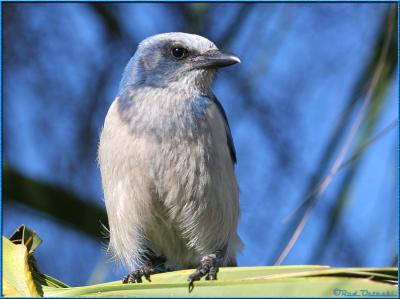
[209, 267]
[136, 276]
[153, 265]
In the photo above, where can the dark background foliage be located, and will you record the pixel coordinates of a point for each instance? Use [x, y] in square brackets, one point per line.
[306, 70]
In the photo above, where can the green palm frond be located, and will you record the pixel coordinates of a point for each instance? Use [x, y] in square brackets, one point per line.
[21, 277]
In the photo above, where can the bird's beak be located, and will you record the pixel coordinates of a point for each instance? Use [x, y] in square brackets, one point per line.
[217, 58]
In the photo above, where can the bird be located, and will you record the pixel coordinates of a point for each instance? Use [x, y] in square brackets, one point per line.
[167, 162]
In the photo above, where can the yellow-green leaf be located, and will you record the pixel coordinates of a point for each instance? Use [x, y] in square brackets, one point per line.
[17, 277]
[286, 281]
[21, 277]
[27, 237]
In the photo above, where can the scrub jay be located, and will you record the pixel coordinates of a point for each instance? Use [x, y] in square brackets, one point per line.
[167, 161]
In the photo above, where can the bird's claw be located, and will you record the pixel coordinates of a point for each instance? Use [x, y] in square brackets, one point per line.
[191, 285]
[208, 267]
[136, 276]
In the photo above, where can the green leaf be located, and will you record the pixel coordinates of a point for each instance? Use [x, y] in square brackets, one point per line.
[27, 237]
[287, 281]
[21, 278]
[17, 276]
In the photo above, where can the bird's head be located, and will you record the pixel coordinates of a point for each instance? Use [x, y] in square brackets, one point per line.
[175, 60]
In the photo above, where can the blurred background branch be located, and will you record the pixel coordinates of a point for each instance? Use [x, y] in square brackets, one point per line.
[379, 83]
[57, 202]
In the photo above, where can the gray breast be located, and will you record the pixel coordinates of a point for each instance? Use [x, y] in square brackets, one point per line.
[164, 114]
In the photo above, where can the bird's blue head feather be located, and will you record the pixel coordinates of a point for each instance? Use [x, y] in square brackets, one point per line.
[154, 63]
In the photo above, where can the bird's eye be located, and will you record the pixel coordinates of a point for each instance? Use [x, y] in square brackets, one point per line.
[179, 52]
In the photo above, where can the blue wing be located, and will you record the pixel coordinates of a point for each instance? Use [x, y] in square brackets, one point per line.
[227, 129]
